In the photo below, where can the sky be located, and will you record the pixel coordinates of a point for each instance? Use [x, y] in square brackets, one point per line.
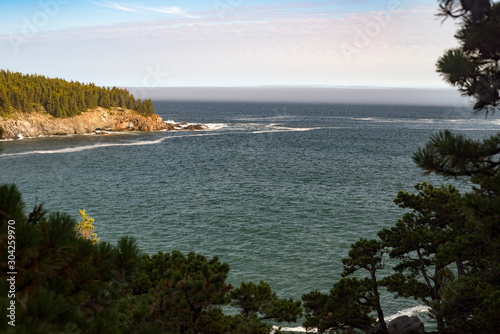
[227, 43]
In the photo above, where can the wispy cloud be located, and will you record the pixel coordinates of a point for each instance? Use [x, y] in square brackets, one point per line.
[172, 10]
[142, 9]
[113, 5]
[250, 45]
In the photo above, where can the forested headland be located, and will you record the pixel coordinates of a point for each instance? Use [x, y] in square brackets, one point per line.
[34, 105]
[60, 98]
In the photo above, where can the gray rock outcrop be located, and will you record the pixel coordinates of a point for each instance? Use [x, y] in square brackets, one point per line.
[406, 325]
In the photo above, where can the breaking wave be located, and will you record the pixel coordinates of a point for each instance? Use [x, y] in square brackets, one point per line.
[416, 310]
[97, 146]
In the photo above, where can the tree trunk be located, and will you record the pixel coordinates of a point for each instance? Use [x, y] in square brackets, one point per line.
[460, 268]
[380, 313]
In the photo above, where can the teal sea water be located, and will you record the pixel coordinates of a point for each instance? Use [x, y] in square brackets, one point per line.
[277, 191]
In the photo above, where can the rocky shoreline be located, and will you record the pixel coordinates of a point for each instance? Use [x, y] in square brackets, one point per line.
[99, 121]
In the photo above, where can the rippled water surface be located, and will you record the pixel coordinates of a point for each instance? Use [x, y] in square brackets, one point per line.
[277, 191]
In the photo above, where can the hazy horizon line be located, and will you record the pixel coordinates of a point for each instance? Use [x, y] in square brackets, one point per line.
[306, 94]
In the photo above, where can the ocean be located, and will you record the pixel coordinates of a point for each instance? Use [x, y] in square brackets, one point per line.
[278, 191]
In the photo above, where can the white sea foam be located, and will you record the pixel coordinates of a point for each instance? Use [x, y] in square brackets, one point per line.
[215, 126]
[278, 128]
[293, 329]
[264, 118]
[395, 120]
[95, 133]
[409, 312]
[96, 146]
[420, 309]
[208, 126]
[438, 121]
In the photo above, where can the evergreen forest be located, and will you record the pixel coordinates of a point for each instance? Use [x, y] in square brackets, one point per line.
[60, 98]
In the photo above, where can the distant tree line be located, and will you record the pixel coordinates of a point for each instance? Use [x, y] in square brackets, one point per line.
[60, 98]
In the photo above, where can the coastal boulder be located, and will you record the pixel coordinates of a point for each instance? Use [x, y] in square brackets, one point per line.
[194, 127]
[406, 325]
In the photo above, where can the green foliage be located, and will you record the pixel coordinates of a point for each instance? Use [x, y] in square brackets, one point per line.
[468, 296]
[174, 292]
[145, 108]
[364, 254]
[351, 300]
[473, 67]
[447, 247]
[455, 155]
[345, 308]
[259, 301]
[66, 283]
[437, 218]
[368, 255]
[61, 98]
[62, 281]
[4, 103]
[471, 303]
[11, 205]
[467, 293]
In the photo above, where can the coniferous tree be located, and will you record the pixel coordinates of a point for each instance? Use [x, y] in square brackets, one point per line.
[351, 300]
[148, 106]
[368, 255]
[174, 293]
[345, 309]
[471, 302]
[63, 283]
[66, 283]
[259, 301]
[473, 67]
[4, 102]
[437, 218]
[27, 93]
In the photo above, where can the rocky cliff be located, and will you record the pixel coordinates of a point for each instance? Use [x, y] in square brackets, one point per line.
[19, 125]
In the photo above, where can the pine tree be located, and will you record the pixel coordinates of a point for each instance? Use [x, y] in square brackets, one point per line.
[4, 102]
[344, 309]
[259, 301]
[367, 255]
[63, 283]
[471, 301]
[474, 66]
[437, 218]
[148, 107]
[174, 293]
[351, 300]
